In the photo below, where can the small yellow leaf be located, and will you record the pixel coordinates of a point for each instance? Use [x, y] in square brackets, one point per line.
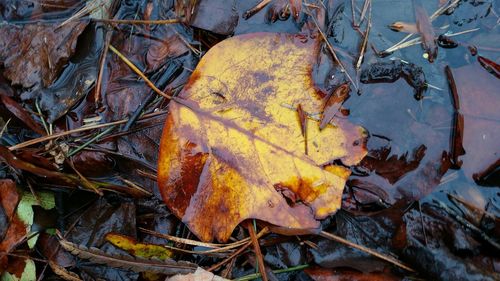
[138, 249]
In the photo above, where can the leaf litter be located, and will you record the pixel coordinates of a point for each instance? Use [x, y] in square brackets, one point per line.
[96, 152]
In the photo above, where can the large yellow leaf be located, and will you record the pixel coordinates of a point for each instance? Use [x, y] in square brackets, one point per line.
[232, 146]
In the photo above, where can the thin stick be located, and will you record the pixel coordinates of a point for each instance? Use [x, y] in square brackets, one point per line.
[139, 22]
[88, 9]
[41, 117]
[353, 14]
[365, 9]
[139, 72]
[366, 250]
[256, 9]
[232, 256]
[436, 14]
[101, 68]
[186, 241]
[89, 142]
[81, 129]
[365, 40]
[84, 179]
[469, 225]
[256, 248]
[215, 247]
[134, 185]
[5, 127]
[330, 48]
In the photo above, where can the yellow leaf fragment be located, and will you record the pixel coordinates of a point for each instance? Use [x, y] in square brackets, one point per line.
[142, 250]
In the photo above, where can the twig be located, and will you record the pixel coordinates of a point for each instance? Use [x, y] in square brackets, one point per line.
[84, 179]
[81, 129]
[41, 117]
[171, 70]
[368, 3]
[4, 127]
[353, 14]
[330, 48]
[232, 256]
[416, 41]
[256, 9]
[88, 9]
[366, 250]
[436, 14]
[189, 241]
[134, 185]
[365, 40]
[101, 67]
[256, 248]
[469, 225]
[89, 142]
[138, 72]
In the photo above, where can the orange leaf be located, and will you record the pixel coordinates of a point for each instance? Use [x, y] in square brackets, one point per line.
[237, 151]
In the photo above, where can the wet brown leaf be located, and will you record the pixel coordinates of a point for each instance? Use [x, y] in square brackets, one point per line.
[34, 54]
[232, 147]
[424, 27]
[218, 16]
[478, 93]
[17, 110]
[16, 230]
[333, 104]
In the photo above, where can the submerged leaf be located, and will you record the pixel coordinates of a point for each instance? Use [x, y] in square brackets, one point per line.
[232, 148]
[478, 93]
[34, 54]
[333, 104]
[424, 27]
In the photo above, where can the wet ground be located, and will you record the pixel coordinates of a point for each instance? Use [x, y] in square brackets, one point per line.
[428, 190]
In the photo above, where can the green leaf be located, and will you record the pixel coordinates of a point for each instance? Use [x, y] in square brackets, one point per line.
[29, 273]
[25, 209]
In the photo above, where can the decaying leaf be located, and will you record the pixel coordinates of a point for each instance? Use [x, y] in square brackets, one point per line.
[168, 267]
[424, 27]
[15, 230]
[26, 213]
[232, 148]
[141, 250]
[28, 272]
[63, 273]
[333, 104]
[34, 54]
[478, 93]
[218, 16]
